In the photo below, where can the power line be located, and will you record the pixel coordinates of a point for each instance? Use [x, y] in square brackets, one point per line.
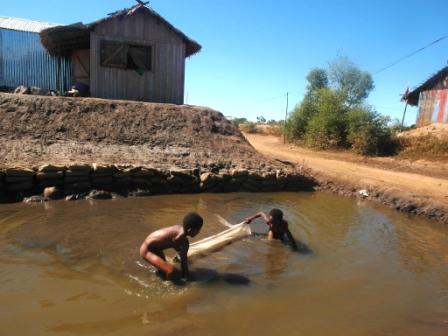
[411, 54]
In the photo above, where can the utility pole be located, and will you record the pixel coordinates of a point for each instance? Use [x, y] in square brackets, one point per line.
[404, 114]
[286, 116]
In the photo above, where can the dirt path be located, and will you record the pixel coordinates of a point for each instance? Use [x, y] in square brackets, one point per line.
[423, 185]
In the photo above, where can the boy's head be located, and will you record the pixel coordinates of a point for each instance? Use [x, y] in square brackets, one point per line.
[192, 224]
[276, 215]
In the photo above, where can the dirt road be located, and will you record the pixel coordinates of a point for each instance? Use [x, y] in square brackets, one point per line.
[420, 181]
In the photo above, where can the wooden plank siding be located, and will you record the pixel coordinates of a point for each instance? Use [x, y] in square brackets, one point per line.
[164, 84]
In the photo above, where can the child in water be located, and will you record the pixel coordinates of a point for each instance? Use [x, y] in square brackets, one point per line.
[171, 237]
[278, 227]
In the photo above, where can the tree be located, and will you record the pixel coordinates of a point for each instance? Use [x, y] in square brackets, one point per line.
[327, 126]
[238, 121]
[346, 77]
[261, 120]
[317, 79]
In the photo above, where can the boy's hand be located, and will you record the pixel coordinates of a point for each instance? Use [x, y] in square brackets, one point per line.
[248, 220]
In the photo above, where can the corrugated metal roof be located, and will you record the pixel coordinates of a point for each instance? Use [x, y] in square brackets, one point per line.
[24, 25]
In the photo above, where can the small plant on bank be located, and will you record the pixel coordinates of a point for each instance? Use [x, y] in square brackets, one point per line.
[248, 127]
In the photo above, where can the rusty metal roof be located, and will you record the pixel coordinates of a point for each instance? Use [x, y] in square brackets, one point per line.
[413, 96]
[24, 24]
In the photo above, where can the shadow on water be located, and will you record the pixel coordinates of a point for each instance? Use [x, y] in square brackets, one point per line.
[302, 248]
[206, 276]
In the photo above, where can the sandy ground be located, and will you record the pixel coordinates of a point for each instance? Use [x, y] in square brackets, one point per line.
[422, 180]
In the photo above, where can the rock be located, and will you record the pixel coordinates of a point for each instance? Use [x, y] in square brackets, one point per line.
[143, 172]
[224, 175]
[52, 193]
[19, 172]
[78, 170]
[76, 179]
[22, 89]
[255, 175]
[140, 193]
[101, 170]
[51, 169]
[75, 197]
[363, 193]
[50, 175]
[37, 91]
[183, 173]
[207, 177]
[72, 188]
[34, 199]
[17, 179]
[141, 183]
[239, 172]
[99, 194]
[102, 180]
[19, 186]
[50, 183]
[122, 174]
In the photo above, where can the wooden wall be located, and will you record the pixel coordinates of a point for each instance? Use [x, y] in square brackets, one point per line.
[164, 84]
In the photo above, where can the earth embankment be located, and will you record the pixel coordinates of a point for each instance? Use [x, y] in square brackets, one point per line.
[76, 145]
[37, 130]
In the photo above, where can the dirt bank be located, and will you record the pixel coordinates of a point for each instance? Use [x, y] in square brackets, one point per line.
[416, 187]
[38, 130]
[76, 145]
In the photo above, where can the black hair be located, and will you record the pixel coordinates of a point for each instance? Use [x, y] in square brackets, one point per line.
[192, 221]
[276, 214]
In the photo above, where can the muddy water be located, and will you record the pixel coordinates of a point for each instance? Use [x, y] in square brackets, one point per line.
[74, 269]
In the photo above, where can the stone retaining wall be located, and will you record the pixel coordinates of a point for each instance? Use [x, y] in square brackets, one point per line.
[17, 183]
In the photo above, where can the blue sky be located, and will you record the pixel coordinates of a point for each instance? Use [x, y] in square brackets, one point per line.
[256, 51]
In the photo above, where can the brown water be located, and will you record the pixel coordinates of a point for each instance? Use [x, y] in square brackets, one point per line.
[74, 269]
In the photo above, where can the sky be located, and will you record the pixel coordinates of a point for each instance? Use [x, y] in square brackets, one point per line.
[253, 52]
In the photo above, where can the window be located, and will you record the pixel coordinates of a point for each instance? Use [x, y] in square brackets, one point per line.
[126, 56]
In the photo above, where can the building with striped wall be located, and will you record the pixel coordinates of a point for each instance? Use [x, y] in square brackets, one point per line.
[24, 61]
[431, 99]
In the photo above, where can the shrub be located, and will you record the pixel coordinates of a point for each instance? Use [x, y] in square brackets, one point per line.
[248, 127]
[300, 117]
[368, 132]
[326, 127]
[238, 121]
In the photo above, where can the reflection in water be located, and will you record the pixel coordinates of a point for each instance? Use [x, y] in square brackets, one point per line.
[74, 268]
[276, 259]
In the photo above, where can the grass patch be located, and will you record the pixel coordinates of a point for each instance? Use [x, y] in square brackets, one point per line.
[428, 147]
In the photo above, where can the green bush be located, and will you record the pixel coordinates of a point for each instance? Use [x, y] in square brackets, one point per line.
[332, 114]
[367, 131]
[300, 117]
[326, 127]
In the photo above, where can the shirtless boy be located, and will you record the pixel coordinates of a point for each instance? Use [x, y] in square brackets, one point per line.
[171, 237]
[278, 227]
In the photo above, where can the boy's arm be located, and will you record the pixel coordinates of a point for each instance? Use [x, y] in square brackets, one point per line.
[291, 239]
[257, 215]
[183, 253]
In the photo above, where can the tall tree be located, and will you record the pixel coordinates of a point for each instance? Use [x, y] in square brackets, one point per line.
[346, 77]
[317, 79]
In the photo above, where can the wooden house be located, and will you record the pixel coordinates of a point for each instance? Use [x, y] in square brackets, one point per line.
[132, 54]
[431, 99]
